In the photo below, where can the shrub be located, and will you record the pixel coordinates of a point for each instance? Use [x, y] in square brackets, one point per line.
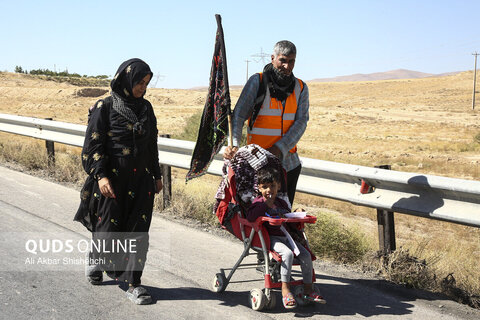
[477, 138]
[190, 131]
[31, 154]
[90, 92]
[330, 239]
[404, 268]
[66, 74]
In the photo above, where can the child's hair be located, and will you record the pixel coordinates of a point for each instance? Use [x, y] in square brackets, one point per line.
[268, 175]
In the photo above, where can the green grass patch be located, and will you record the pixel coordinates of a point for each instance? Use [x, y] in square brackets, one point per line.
[190, 131]
[477, 138]
[329, 238]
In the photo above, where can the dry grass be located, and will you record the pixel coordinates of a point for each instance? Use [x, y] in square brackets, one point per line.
[192, 200]
[404, 267]
[26, 152]
[422, 125]
[32, 156]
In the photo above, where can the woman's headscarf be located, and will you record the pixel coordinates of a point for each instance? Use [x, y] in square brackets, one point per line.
[127, 76]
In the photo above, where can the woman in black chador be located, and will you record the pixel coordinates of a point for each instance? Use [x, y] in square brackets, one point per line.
[120, 156]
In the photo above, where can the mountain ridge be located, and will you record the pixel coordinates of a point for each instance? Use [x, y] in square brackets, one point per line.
[397, 74]
[386, 75]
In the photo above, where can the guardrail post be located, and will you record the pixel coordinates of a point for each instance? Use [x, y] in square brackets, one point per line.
[386, 231]
[50, 150]
[167, 181]
[386, 227]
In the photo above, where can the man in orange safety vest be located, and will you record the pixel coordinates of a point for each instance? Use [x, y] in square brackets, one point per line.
[276, 104]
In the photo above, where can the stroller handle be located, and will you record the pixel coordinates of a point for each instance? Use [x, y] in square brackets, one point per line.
[257, 224]
[279, 221]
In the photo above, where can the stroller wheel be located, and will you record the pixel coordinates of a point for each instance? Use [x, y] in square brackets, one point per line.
[272, 302]
[257, 299]
[219, 283]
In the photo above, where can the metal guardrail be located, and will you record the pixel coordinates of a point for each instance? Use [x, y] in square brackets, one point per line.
[428, 196]
[63, 132]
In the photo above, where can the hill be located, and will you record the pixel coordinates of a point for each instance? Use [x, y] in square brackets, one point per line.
[388, 75]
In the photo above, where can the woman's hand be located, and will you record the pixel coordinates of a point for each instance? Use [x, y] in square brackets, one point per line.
[158, 185]
[106, 188]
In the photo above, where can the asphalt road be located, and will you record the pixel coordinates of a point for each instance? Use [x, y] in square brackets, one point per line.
[181, 264]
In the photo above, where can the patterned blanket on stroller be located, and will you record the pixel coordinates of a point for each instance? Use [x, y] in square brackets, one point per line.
[245, 164]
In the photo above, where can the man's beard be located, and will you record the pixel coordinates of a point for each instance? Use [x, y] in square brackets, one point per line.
[281, 78]
[279, 84]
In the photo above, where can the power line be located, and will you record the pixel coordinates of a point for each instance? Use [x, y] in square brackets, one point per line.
[261, 56]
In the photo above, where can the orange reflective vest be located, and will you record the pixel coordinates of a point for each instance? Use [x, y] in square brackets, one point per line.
[273, 119]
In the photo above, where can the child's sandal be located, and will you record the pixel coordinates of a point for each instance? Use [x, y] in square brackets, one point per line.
[289, 301]
[314, 297]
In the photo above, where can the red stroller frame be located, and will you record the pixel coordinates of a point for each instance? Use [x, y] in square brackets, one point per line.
[255, 237]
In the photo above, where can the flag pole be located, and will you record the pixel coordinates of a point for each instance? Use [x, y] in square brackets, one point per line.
[229, 116]
[230, 135]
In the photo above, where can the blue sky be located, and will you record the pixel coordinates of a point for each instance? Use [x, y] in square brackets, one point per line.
[177, 37]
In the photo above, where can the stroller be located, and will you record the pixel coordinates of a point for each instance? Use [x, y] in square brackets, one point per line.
[234, 196]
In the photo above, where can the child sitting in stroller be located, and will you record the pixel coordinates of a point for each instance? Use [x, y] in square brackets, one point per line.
[268, 204]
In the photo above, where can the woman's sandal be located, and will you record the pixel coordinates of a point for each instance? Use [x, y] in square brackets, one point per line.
[314, 297]
[139, 295]
[289, 301]
[95, 280]
[94, 274]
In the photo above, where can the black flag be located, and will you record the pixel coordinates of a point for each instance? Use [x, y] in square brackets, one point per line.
[213, 129]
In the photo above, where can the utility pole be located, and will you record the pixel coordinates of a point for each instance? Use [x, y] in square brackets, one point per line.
[474, 79]
[157, 77]
[247, 61]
